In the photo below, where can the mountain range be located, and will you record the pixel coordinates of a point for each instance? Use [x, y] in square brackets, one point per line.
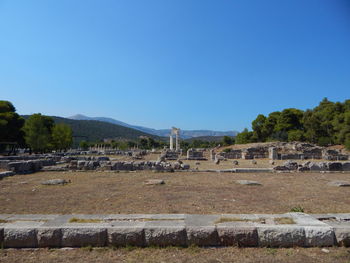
[184, 134]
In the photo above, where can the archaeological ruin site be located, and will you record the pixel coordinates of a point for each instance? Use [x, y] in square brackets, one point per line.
[250, 195]
[175, 131]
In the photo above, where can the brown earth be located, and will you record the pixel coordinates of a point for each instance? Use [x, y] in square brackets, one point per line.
[183, 192]
[173, 254]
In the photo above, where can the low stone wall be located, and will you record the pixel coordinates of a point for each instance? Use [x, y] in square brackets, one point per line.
[6, 174]
[314, 166]
[287, 151]
[250, 230]
[233, 154]
[127, 166]
[24, 167]
[194, 154]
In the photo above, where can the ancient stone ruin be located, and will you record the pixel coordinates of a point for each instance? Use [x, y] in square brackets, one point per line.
[285, 151]
[195, 154]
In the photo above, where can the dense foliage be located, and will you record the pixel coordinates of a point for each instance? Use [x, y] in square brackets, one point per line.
[326, 124]
[42, 134]
[62, 136]
[10, 125]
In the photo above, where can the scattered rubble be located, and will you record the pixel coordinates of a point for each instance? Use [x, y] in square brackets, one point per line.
[154, 182]
[247, 182]
[55, 182]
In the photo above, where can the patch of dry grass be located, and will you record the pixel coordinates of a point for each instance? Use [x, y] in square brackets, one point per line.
[236, 219]
[82, 220]
[184, 192]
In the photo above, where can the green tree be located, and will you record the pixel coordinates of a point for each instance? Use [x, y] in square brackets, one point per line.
[227, 140]
[84, 145]
[62, 136]
[11, 124]
[244, 137]
[38, 130]
[143, 143]
[295, 135]
[269, 125]
[259, 133]
[289, 119]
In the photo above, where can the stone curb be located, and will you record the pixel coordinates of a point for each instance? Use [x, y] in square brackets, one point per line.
[251, 230]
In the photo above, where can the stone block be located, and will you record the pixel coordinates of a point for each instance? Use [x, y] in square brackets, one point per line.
[84, 236]
[281, 236]
[241, 236]
[1, 237]
[6, 174]
[49, 237]
[346, 166]
[335, 166]
[20, 238]
[202, 236]
[126, 236]
[342, 236]
[317, 236]
[165, 233]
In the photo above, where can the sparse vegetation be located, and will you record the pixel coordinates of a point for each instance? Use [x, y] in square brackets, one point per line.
[187, 192]
[297, 209]
[82, 220]
[237, 219]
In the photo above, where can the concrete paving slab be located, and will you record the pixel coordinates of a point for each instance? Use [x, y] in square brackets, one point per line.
[306, 220]
[201, 220]
[32, 217]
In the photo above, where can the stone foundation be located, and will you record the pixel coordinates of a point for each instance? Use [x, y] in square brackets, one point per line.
[243, 230]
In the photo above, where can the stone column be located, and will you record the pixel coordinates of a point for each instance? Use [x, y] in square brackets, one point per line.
[177, 141]
[212, 155]
[171, 142]
[273, 153]
[189, 152]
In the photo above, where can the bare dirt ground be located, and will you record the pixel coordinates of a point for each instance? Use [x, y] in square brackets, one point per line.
[173, 254]
[183, 192]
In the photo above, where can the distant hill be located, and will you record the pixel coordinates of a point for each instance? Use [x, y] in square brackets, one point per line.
[92, 130]
[207, 138]
[184, 134]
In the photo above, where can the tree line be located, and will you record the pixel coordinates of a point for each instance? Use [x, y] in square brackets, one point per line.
[38, 132]
[326, 124]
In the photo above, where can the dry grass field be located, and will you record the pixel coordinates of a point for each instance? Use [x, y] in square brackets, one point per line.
[183, 192]
[173, 254]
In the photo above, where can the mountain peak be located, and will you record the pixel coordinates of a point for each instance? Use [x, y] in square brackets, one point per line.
[79, 117]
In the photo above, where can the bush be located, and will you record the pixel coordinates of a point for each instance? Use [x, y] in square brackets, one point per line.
[297, 209]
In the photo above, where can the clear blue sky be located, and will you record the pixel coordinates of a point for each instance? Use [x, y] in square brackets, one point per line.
[194, 64]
